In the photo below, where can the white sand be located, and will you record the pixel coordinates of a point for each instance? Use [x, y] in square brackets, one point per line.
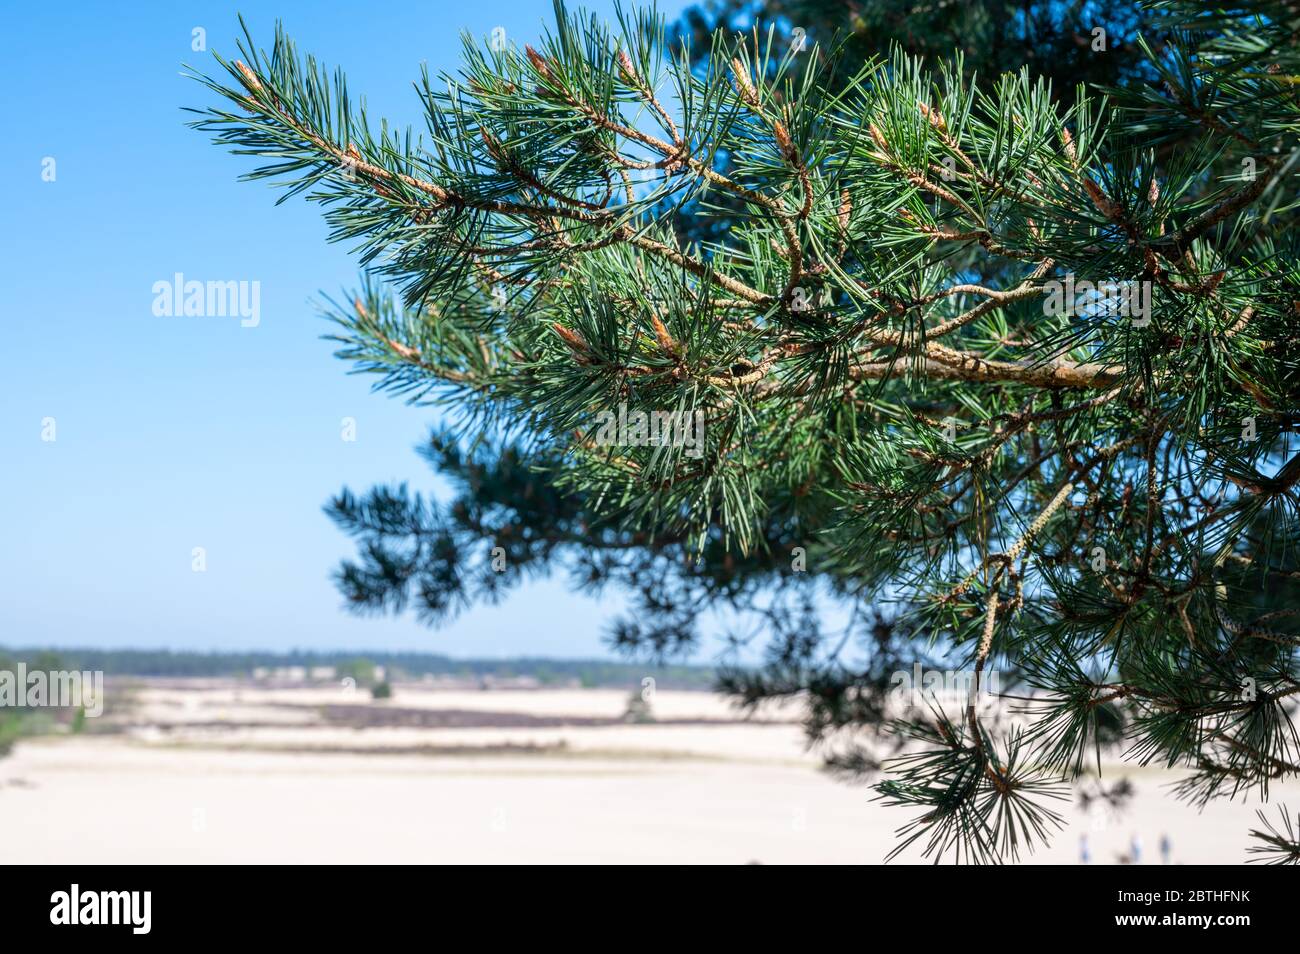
[726, 794]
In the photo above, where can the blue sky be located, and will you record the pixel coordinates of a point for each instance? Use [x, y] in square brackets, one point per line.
[170, 432]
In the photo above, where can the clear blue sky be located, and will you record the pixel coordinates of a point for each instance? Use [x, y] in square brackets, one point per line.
[173, 433]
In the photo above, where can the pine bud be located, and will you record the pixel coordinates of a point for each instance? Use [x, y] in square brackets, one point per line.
[538, 61]
[492, 144]
[935, 117]
[1067, 144]
[743, 86]
[877, 137]
[783, 140]
[1099, 199]
[666, 340]
[571, 338]
[409, 353]
[250, 78]
[628, 70]
[845, 210]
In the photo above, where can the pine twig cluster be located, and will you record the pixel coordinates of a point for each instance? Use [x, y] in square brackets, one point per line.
[1019, 367]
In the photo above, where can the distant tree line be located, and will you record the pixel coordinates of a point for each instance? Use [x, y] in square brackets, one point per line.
[164, 662]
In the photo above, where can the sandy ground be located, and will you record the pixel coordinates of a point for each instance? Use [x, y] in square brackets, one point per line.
[215, 774]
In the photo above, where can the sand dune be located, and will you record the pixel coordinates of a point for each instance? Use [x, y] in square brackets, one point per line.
[225, 775]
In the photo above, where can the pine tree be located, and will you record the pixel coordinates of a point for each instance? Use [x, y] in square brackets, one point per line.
[994, 356]
[1052, 38]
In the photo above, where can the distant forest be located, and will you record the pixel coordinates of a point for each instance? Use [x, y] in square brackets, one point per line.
[156, 662]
